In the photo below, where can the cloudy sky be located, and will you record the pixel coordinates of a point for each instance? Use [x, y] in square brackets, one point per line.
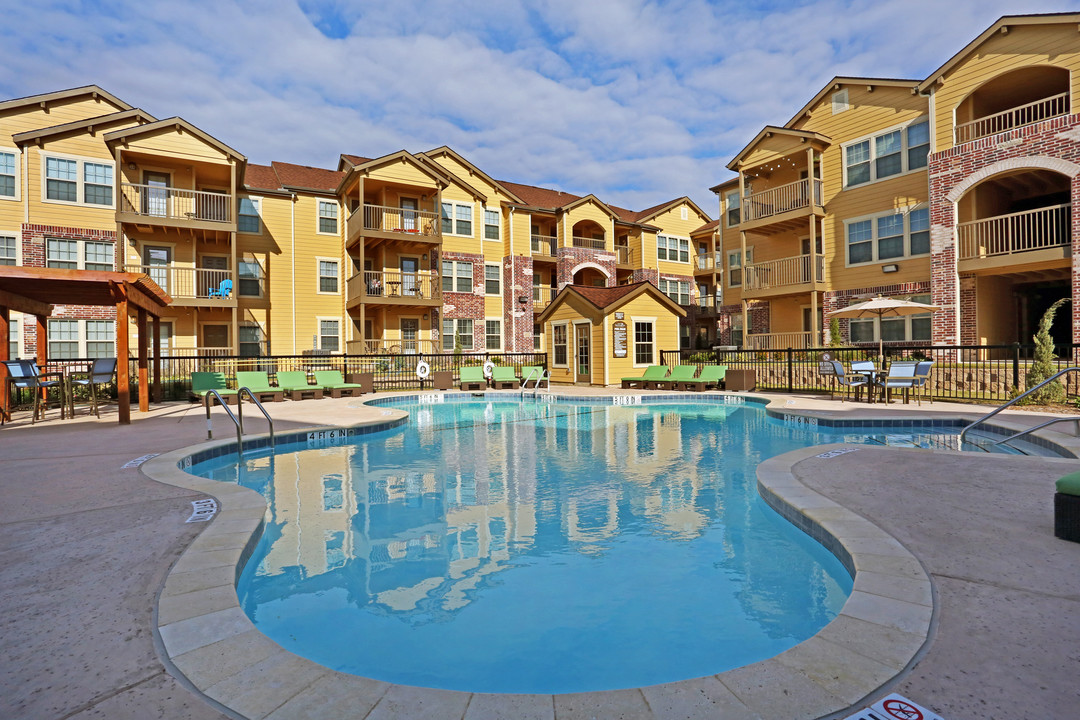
[636, 101]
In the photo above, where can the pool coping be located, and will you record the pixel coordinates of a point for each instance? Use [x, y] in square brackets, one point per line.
[878, 635]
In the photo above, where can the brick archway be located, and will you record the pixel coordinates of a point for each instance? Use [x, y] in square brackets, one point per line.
[1036, 162]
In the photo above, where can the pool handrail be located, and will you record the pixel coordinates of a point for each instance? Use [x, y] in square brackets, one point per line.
[541, 377]
[209, 423]
[240, 412]
[1021, 396]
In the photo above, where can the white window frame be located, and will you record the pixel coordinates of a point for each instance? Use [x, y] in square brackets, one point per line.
[17, 153]
[683, 247]
[487, 335]
[454, 220]
[319, 276]
[728, 208]
[455, 276]
[319, 217]
[80, 251]
[319, 319]
[250, 260]
[742, 264]
[80, 180]
[498, 272]
[871, 140]
[873, 219]
[257, 202]
[905, 319]
[15, 327]
[665, 287]
[262, 337]
[457, 323]
[81, 331]
[840, 101]
[497, 225]
[565, 325]
[634, 321]
[17, 235]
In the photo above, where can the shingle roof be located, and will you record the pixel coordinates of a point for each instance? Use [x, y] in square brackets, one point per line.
[601, 297]
[305, 177]
[540, 197]
[706, 227]
[262, 177]
[356, 159]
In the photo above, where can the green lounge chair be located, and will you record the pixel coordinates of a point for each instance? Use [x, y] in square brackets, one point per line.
[679, 375]
[203, 382]
[332, 382]
[472, 378]
[503, 378]
[710, 376]
[652, 375]
[530, 373]
[259, 385]
[294, 384]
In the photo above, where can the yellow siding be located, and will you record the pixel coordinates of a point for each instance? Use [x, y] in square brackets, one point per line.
[33, 117]
[177, 143]
[403, 172]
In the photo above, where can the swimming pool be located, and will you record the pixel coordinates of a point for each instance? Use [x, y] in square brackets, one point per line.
[552, 548]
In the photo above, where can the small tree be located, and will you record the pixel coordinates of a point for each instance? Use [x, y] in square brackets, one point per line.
[457, 343]
[1043, 367]
[834, 333]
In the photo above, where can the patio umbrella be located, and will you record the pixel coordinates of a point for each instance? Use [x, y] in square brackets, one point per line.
[880, 307]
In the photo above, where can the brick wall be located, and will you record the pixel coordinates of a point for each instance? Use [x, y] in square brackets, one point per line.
[517, 274]
[840, 299]
[572, 257]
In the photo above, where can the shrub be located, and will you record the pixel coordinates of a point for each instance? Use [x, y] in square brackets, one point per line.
[1043, 367]
[834, 333]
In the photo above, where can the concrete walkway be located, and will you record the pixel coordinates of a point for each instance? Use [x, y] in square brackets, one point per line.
[86, 545]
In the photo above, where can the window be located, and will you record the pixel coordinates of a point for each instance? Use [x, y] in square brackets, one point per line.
[7, 250]
[63, 339]
[250, 278]
[455, 332]
[13, 339]
[493, 334]
[643, 343]
[735, 265]
[330, 335]
[672, 249]
[328, 276]
[896, 151]
[684, 214]
[737, 330]
[7, 175]
[676, 290]
[98, 256]
[73, 180]
[893, 329]
[537, 344]
[491, 224]
[840, 101]
[328, 215]
[457, 276]
[731, 200]
[247, 219]
[251, 339]
[81, 338]
[558, 345]
[100, 338]
[61, 253]
[457, 219]
[491, 280]
[886, 237]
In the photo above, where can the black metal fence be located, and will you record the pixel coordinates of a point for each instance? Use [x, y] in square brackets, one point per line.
[990, 373]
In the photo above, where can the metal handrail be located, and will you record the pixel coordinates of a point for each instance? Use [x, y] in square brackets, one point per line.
[1019, 397]
[1073, 419]
[209, 423]
[240, 411]
[543, 376]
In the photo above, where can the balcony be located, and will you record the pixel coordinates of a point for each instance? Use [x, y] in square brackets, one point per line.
[542, 297]
[544, 245]
[194, 352]
[708, 262]
[1040, 235]
[784, 206]
[174, 207]
[394, 223]
[591, 243]
[624, 255]
[191, 286]
[1019, 116]
[390, 347]
[784, 276]
[419, 289]
[780, 341]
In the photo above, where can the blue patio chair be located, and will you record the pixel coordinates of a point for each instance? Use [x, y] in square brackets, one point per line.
[849, 380]
[101, 373]
[24, 374]
[922, 379]
[901, 377]
[223, 290]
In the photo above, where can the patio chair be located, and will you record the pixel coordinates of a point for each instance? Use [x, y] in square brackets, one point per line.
[23, 374]
[472, 378]
[259, 385]
[653, 374]
[710, 376]
[922, 379]
[203, 382]
[849, 381]
[679, 375]
[503, 378]
[100, 373]
[531, 373]
[332, 382]
[865, 368]
[223, 291]
[294, 384]
[901, 377]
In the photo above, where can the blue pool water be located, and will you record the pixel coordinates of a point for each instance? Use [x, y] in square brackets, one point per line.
[539, 548]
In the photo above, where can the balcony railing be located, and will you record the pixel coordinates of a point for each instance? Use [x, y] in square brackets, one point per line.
[783, 272]
[623, 254]
[594, 243]
[708, 262]
[188, 282]
[390, 347]
[382, 218]
[1029, 114]
[422, 285]
[1037, 229]
[183, 352]
[780, 341]
[542, 297]
[544, 245]
[706, 302]
[176, 204]
[782, 199]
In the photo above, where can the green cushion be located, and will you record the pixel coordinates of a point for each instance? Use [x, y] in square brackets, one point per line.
[331, 379]
[683, 372]
[1070, 484]
[473, 374]
[503, 373]
[291, 379]
[203, 381]
[713, 373]
[253, 380]
[531, 372]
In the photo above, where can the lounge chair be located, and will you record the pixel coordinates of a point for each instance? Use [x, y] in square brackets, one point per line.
[503, 378]
[472, 378]
[849, 381]
[100, 373]
[259, 385]
[710, 376]
[901, 377]
[530, 374]
[203, 382]
[24, 374]
[332, 382]
[223, 291]
[653, 374]
[679, 375]
[294, 384]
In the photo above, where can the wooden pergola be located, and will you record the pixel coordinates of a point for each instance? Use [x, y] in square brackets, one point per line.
[34, 291]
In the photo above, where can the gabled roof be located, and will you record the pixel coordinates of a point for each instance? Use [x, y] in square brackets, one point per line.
[134, 115]
[539, 197]
[1002, 23]
[727, 183]
[429, 169]
[604, 298]
[707, 227]
[177, 123]
[44, 98]
[592, 198]
[655, 210]
[447, 150]
[305, 177]
[770, 130]
[261, 177]
[346, 161]
[834, 85]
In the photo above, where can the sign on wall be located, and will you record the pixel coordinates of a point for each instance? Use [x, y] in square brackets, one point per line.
[618, 339]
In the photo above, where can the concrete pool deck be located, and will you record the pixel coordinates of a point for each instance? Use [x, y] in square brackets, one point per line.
[88, 546]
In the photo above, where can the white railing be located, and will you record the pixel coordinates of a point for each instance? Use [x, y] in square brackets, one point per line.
[623, 254]
[706, 302]
[183, 352]
[1016, 232]
[708, 262]
[542, 297]
[390, 346]
[188, 282]
[1029, 114]
[382, 218]
[422, 285]
[780, 341]
[177, 204]
[783, 272]
[594, 243]
[782, 199]
[544, 245]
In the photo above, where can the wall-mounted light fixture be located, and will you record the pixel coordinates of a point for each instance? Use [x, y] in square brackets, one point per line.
[524, 299]
[132, 166]
[889, 268]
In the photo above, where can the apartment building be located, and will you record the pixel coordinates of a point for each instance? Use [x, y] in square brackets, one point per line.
[955, 190]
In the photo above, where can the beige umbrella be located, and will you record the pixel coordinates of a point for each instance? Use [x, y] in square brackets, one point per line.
[880, 307]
